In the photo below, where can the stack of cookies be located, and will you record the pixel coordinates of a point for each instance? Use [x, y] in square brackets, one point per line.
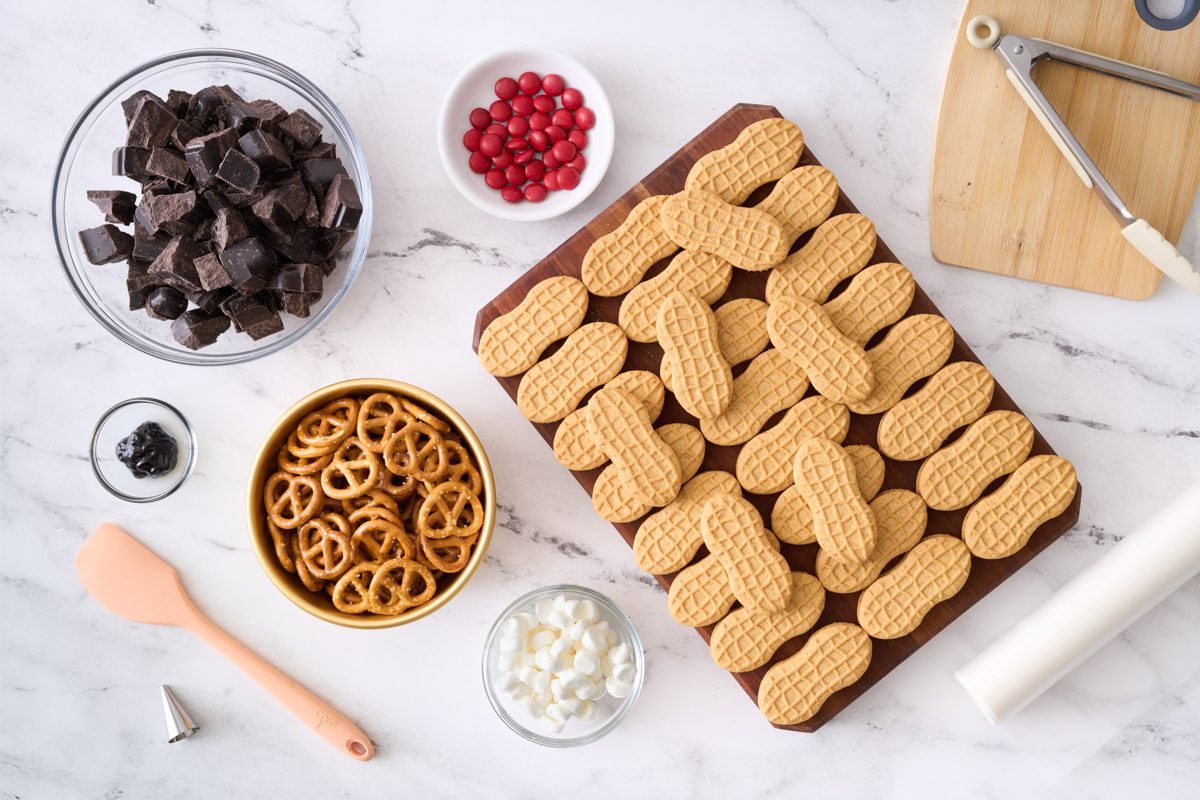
[779, 376]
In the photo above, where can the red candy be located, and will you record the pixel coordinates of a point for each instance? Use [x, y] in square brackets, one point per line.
[506, 88]
[490, 145]
[523, 105]
[529, 141]
[530, 83]
[568, 178]
[572, 99]
[500, 111]
[495, 178]
[479, 163]
[535, 193]
[480, 118]
[563, 119]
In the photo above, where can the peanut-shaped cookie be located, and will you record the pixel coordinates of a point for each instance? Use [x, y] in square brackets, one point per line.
[1001, 523]
[993, 446]
[734, 533]
[746, 639]
[514, 341]
[838, 368]
[839, 247]
[834, 657]
[590, 357]
[842, 521]
[933, 571]
[617, 261]
[956, 395]
[701, 378]
[763, 152]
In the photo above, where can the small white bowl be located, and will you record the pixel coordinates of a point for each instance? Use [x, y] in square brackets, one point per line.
[475, 87]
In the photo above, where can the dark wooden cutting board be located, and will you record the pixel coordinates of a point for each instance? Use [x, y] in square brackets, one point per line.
[668, 179]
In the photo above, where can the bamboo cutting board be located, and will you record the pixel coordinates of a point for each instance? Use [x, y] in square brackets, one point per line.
[887, 655]
[1003, 198]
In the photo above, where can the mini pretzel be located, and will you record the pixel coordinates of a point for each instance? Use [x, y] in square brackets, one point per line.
[329, 426]
[375, 497]
[417, 449]
[459, 468]
[350, 594]
[324, 549]
[302, 450]
[366, 513]
[400, 583]
[450, 554]
[381, 540]
[302, 465]
[450, 510]
[353, 471]
[398, 487]
[424, 416]
[292, 500]
[378, 418]
[310, 582]
[280, 538]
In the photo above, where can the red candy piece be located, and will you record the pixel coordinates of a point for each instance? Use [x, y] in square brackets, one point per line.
[556, 134]
[563, 119]
[535, 170]
[550, 179]
[568, 178]
[523, 105]
[516, 144]
[490, 145]
[515, 175]
[577, 138]
[572, 99]
[500, 111]
[495, 178]
[522, 156]
[539, 121]
[535, 193]
[503, 160]
[496, 129]
[539, 141]
[585, 118]
[530, 83]
[479, 162]
[506, 88]
[550, 161]
[512, 194]
[578, 162]
[553, 84]
[480, 118]
[518, 126]
[544, 104]
[563, 150]
[471, 139]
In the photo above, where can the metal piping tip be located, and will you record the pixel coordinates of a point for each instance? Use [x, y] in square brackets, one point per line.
[179, 723]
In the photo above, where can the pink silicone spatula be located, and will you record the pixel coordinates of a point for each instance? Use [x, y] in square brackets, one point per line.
[132, 582]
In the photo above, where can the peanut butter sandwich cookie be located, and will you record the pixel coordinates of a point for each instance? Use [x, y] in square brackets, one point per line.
[834, 657]
[993, 446]
[764, 464]
[574, 447]
[839, 248]
[1001, 523]
[764, 151]
[612, 497]
[956, 395]
[801, 200]
[933, 571]
[745, 237]
[734, 533]
[620, 426]
[915, 348]
[701, 379]
[791, 518]
[901, 517]
[703, 274]
[838, 368]
[843, 523]
[746, 639]
[514, 341]
[741, 334]
[617, 261]
[770, 384]
[590, 357]
[877, 297]
[700, 594]
[669, 538]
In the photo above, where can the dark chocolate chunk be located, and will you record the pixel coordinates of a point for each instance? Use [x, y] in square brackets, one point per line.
[175, 265]
[245, 199]
[253, 317]
[178, 101]
[210, 102]
[320, 150]
[266, 150]
[130, 104]
[331, 242]
[138, 283]
[229, 227]
[296, 303]
[166, 302]
[320, 172]
[130, 162]
[342, 209]
[263, 115]
[304, 278]
[176, 213]
[117, 206]
[106, 244]
[293, 196]
[210, 301]
[204, 154]
[147, 246]
[151, 125]
[249, 263]
[300, 125]
[168, 164]
[184, 132]
[239, 171]
[301, 248]
[312, 210]
[211, 273]
[196, 329]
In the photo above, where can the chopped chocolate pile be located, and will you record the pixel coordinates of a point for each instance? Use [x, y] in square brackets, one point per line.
[242, 214]
[148, 451]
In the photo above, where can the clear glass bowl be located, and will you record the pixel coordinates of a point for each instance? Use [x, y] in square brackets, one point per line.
[86, 163]
[610, 710]
[118, 422]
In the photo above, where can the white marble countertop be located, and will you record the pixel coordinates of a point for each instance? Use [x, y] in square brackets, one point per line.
[1115, 386]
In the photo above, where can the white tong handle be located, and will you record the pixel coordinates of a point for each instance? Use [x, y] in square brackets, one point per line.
[1162, 254]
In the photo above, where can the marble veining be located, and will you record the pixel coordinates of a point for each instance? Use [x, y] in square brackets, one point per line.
[1114, 385]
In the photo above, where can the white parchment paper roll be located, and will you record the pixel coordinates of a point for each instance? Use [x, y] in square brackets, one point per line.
[1087, 612]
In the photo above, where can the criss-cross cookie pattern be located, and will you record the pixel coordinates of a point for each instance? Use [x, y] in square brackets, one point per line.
[833, 657]
[801, 200]
[611, 495]
[701, 379]
[956, 395]
[700, 594]
[900, 516]
[590, 357]
[745, 237]
[574, 447]
[734, 533]
[915, 348]
[839, 248]
[933, 571]
[876, 298]
[617, 261]
[747, 639]
[791, 518]
[994, 445]
[1001, 523]
[703, 274]
[552, 309]
[741, 334]
[669, 538]
[764, 464]
[842, 520]
[769, 385]
[838, 368]
[763, 152]
[620, 426]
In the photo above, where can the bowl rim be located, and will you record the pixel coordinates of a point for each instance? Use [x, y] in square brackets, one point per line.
[301, 85]
[525, 212]
[264, 459]
[191, 443]
[635, 642]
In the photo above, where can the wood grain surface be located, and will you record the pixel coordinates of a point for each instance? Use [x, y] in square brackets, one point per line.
[1004, 200]
[669, 178]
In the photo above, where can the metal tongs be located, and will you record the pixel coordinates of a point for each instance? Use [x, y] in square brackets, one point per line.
[1019, 55]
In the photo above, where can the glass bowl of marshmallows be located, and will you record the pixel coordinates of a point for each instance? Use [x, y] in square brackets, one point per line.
[562, 666]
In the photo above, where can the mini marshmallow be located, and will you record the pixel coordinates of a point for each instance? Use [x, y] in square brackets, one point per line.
[559, 712]
[541, 684]
[616, 689]
[542, 639]
[571, 609]
[595, 638]
[549, 662]
[594, 690]
[514, 626]
[587, 663]
[586, 711]
[624, 672]
[577, 629]
[507, 683]
[527, 675]
[557, 690]
[550, 724]
[524, 659]
[572, 704]
[529, 618]
[572, 680]
[561, 645]
[508, 662]
[558, 620]
[621, 653]
[560, 601]
[512, 644]
[587, 611]
[543, 609]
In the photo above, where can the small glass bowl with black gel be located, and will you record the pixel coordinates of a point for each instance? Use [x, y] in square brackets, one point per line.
[142, 450]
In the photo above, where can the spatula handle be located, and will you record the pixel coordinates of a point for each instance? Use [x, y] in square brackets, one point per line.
[326, 721]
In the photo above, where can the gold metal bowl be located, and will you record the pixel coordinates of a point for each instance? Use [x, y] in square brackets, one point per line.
[318, 603]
